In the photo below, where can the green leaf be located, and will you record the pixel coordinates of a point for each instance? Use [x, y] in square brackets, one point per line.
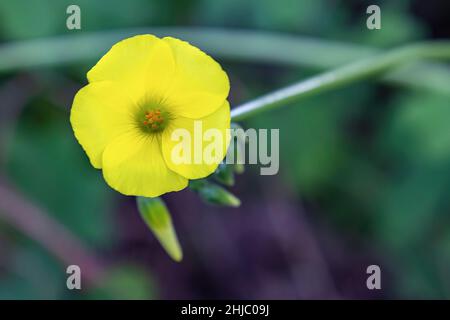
[158, 219]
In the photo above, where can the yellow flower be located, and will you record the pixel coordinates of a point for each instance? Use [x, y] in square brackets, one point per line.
[139, 92]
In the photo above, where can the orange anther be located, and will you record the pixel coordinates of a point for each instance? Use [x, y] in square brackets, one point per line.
[154, 119]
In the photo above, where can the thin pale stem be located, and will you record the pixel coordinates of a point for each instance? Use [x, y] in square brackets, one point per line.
[349, 73]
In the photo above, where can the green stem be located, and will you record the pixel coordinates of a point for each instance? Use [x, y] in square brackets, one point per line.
[253, 46]
[236, 45]
[349, 73]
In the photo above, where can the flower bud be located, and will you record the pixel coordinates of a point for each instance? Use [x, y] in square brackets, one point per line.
[158, 219]
[214, 194]
[224, 174]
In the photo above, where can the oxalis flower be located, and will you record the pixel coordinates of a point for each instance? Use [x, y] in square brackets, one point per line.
[141, 91]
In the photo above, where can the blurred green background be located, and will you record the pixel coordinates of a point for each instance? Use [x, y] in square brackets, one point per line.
[364, 176]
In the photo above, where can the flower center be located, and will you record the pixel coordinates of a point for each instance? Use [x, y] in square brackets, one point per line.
[153, 119]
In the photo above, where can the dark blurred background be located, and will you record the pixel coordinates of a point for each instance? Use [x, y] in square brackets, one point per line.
[364, 176]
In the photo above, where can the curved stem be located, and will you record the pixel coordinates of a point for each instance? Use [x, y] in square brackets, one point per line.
[235, 45]
[352, 72]
[35, 223]
[252, 46]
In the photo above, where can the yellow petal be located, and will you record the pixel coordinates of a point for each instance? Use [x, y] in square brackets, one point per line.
[100, 112]
[200, 85]
[197, 165]
[133, 165]
[143, 65]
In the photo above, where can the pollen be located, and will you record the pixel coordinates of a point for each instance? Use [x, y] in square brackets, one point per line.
[154, 119]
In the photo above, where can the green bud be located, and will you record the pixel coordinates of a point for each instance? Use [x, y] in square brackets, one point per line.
[158, 219]
[224, 174]
[214, 194]
[196, 185]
